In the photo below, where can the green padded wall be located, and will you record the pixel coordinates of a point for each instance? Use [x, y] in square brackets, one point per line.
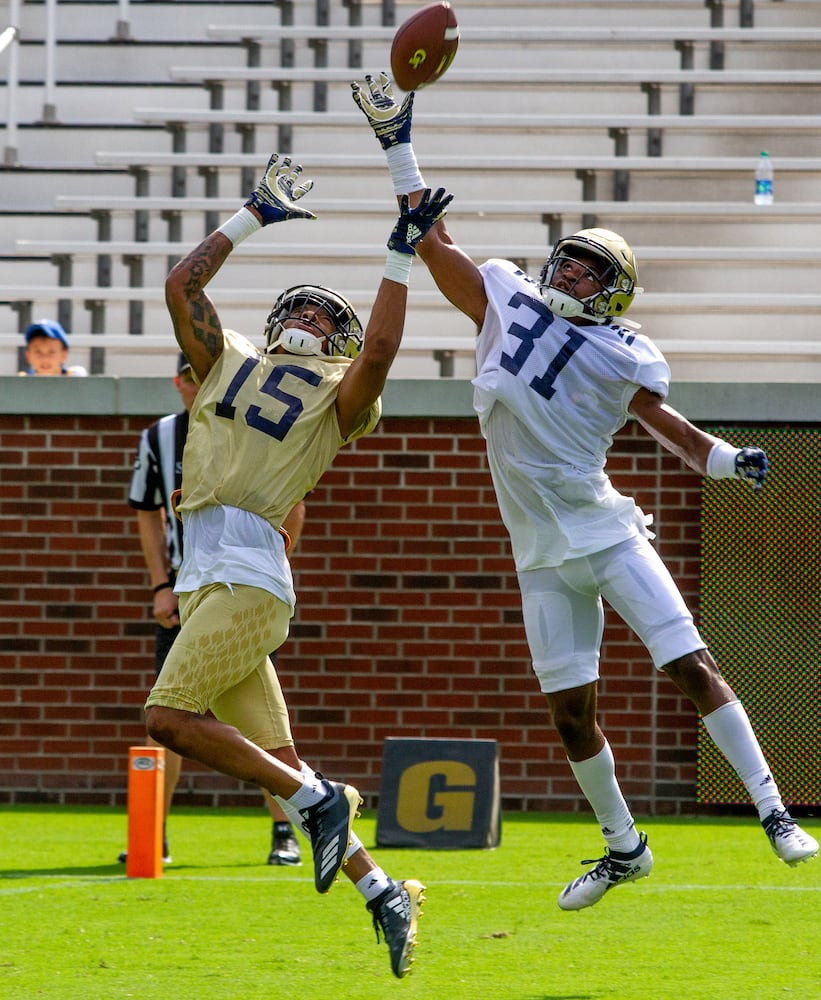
[761, 610]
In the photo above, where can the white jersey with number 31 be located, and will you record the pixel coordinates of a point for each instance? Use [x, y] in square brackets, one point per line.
[550, 395]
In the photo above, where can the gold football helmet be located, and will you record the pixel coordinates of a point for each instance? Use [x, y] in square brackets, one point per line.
[618, 278]
[346, 339]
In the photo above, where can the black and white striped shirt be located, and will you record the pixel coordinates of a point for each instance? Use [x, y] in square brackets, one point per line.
[157, 473]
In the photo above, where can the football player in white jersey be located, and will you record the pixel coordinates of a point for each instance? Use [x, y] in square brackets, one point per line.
[559, 372]
[264, 427]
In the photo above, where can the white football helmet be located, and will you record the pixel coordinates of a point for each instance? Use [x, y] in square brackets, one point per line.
[618, 278]
[344, 341]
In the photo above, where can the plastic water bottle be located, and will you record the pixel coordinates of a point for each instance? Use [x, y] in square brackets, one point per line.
[764, 180]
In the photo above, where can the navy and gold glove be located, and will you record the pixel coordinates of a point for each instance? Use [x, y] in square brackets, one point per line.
[391, 122]
[413, 224]
[276, 194]
[751, 464]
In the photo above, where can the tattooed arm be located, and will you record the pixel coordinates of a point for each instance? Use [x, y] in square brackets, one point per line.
[197, 326]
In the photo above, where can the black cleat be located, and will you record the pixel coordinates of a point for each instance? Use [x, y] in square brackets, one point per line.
[284, 846]
[122, 857]
[396, 912]
[328, 826]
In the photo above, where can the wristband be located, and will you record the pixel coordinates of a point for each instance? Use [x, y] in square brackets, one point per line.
[163, 586]
[240, 226]
[721, 461]
[398, 267]
[404, 169]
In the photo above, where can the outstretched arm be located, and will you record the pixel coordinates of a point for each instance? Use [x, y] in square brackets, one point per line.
[456, 275]
[365, 378]
[704, 453]
[197, 325]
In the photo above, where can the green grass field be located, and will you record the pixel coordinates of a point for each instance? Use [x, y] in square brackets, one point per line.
[720, 917]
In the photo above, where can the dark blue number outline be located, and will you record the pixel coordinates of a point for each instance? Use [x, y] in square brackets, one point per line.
[542, 384]
[253, 415]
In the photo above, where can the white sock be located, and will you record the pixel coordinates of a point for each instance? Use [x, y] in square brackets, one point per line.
[729, 728]
[372, 884]
[597, 779]
[313, 791]
[293, 815]
[291, 811]
[355, 845]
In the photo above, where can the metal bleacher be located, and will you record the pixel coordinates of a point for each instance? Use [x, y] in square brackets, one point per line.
[646, 117]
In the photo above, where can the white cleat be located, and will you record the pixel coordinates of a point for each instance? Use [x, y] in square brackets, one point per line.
[790, 843]
[611, 870]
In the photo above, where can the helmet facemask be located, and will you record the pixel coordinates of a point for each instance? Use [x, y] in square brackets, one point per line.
[306, 335]
[607, 260]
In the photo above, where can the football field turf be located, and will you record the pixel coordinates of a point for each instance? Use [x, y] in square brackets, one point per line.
[720, 917]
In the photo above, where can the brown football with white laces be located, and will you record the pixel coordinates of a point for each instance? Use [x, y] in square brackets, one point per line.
[424, 46]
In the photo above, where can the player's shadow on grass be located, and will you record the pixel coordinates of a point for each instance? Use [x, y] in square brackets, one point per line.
[106, 870]
[78, 870]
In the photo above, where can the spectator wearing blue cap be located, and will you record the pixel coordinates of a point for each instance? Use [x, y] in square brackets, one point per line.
[47, 350]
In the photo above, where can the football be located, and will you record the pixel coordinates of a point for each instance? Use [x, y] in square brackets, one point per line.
[424, 46]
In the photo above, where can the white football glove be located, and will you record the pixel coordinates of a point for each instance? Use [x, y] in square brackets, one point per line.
[391, 122]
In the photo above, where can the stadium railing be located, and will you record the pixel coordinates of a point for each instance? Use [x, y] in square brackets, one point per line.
[685, 40]
[616, 126]
[558, 35]
[51, 249]
[774, 303]
[552, 213]
[650, 82]
[586, 169]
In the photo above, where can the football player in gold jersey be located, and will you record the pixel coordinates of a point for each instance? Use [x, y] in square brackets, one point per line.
[264, 427]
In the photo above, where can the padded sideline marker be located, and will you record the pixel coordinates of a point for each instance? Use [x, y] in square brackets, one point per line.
[146, 790]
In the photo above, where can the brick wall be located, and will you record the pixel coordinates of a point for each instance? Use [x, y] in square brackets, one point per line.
[408, 619]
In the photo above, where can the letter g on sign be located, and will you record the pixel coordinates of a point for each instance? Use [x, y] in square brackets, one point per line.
[448, 789]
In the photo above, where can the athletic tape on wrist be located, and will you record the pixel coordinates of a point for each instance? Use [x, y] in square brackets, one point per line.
[240, 226]
[398, 266]
[404, 169]
[721, 460]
